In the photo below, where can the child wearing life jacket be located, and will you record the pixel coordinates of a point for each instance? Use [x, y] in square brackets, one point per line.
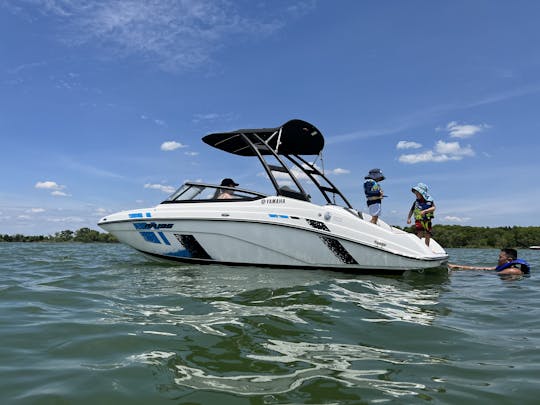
[374, 193]
[422, 209]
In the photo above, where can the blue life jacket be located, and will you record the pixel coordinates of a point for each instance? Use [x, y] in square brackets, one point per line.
[372, 191]
[421, 205]
[525, 267]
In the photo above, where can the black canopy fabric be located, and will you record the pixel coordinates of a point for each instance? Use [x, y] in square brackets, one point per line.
[297, 138]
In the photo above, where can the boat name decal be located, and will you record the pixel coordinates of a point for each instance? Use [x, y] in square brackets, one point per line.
[152, 225]
[379, 243]
[273, 201]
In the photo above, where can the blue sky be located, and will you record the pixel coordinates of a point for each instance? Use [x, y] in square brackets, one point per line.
[103, 103]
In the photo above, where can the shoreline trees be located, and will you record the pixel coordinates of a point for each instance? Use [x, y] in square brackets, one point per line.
[458, 236]
[448, 236]
[84, 235]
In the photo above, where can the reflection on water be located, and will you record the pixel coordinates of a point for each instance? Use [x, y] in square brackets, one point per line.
[339, 362]
[351, 365]
[219, 313]
[225, 304]
[387, 302]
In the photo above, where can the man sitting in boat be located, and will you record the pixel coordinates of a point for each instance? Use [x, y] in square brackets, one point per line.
[508, 263]
[224, 193]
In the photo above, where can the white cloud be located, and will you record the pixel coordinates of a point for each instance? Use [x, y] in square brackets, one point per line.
[453, 149]
[49, 185]
[191, 153]
[54, 187]
[338, 170]
[443, 152]
[451, 218]
[206, 117]
[427, 156]
[212, 117]
[171, 145]
[66, 219]
[300, 175]
[408, 145]
[160, 187]
[35, 210]
[170, 33]
[456, 130]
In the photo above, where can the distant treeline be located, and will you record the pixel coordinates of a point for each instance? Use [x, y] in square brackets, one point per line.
[82, 235]
[448, 236]
[457, 236]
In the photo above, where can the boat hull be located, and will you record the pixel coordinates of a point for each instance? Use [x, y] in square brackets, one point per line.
[265, 243]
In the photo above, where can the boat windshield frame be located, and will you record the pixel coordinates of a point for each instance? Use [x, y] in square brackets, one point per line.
[194, 192]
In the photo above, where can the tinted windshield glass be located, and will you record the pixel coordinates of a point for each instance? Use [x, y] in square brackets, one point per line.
[207, 192]
[186, 192]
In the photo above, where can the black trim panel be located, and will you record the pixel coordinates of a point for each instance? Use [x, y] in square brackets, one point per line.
[317, 225]
[338, 250]
[193, 246]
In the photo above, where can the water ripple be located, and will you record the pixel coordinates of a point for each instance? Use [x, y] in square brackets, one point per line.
[322, 361]
[217, 313]
[387, 303]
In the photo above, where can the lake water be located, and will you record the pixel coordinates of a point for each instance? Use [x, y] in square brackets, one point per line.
[101, 324]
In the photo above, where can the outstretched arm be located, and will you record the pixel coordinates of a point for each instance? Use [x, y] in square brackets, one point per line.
[463, 267]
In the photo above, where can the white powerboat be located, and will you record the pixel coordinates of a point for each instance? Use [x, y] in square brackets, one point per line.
[285, 228]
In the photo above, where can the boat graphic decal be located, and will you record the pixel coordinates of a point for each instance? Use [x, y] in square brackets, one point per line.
[164, 238]
[192, 246]
[179, 253]
[338, 249]
[317, 225]
[151, 225]
[278, 216]
[150, 237]
[140, 215]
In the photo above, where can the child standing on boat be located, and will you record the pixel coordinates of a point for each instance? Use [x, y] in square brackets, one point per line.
[374, 193]
[423, 209]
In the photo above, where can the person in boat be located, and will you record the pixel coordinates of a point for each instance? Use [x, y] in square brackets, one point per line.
[223, 193]
[422, 209]
[374, 193]
[508, 263]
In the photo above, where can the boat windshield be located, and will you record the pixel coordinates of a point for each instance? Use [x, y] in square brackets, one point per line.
[210, 192]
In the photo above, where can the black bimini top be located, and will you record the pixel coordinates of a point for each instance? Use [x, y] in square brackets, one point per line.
[295, 137]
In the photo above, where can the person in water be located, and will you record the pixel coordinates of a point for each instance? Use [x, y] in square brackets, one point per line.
[422, 209]
[374, 193]
[508, 263]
